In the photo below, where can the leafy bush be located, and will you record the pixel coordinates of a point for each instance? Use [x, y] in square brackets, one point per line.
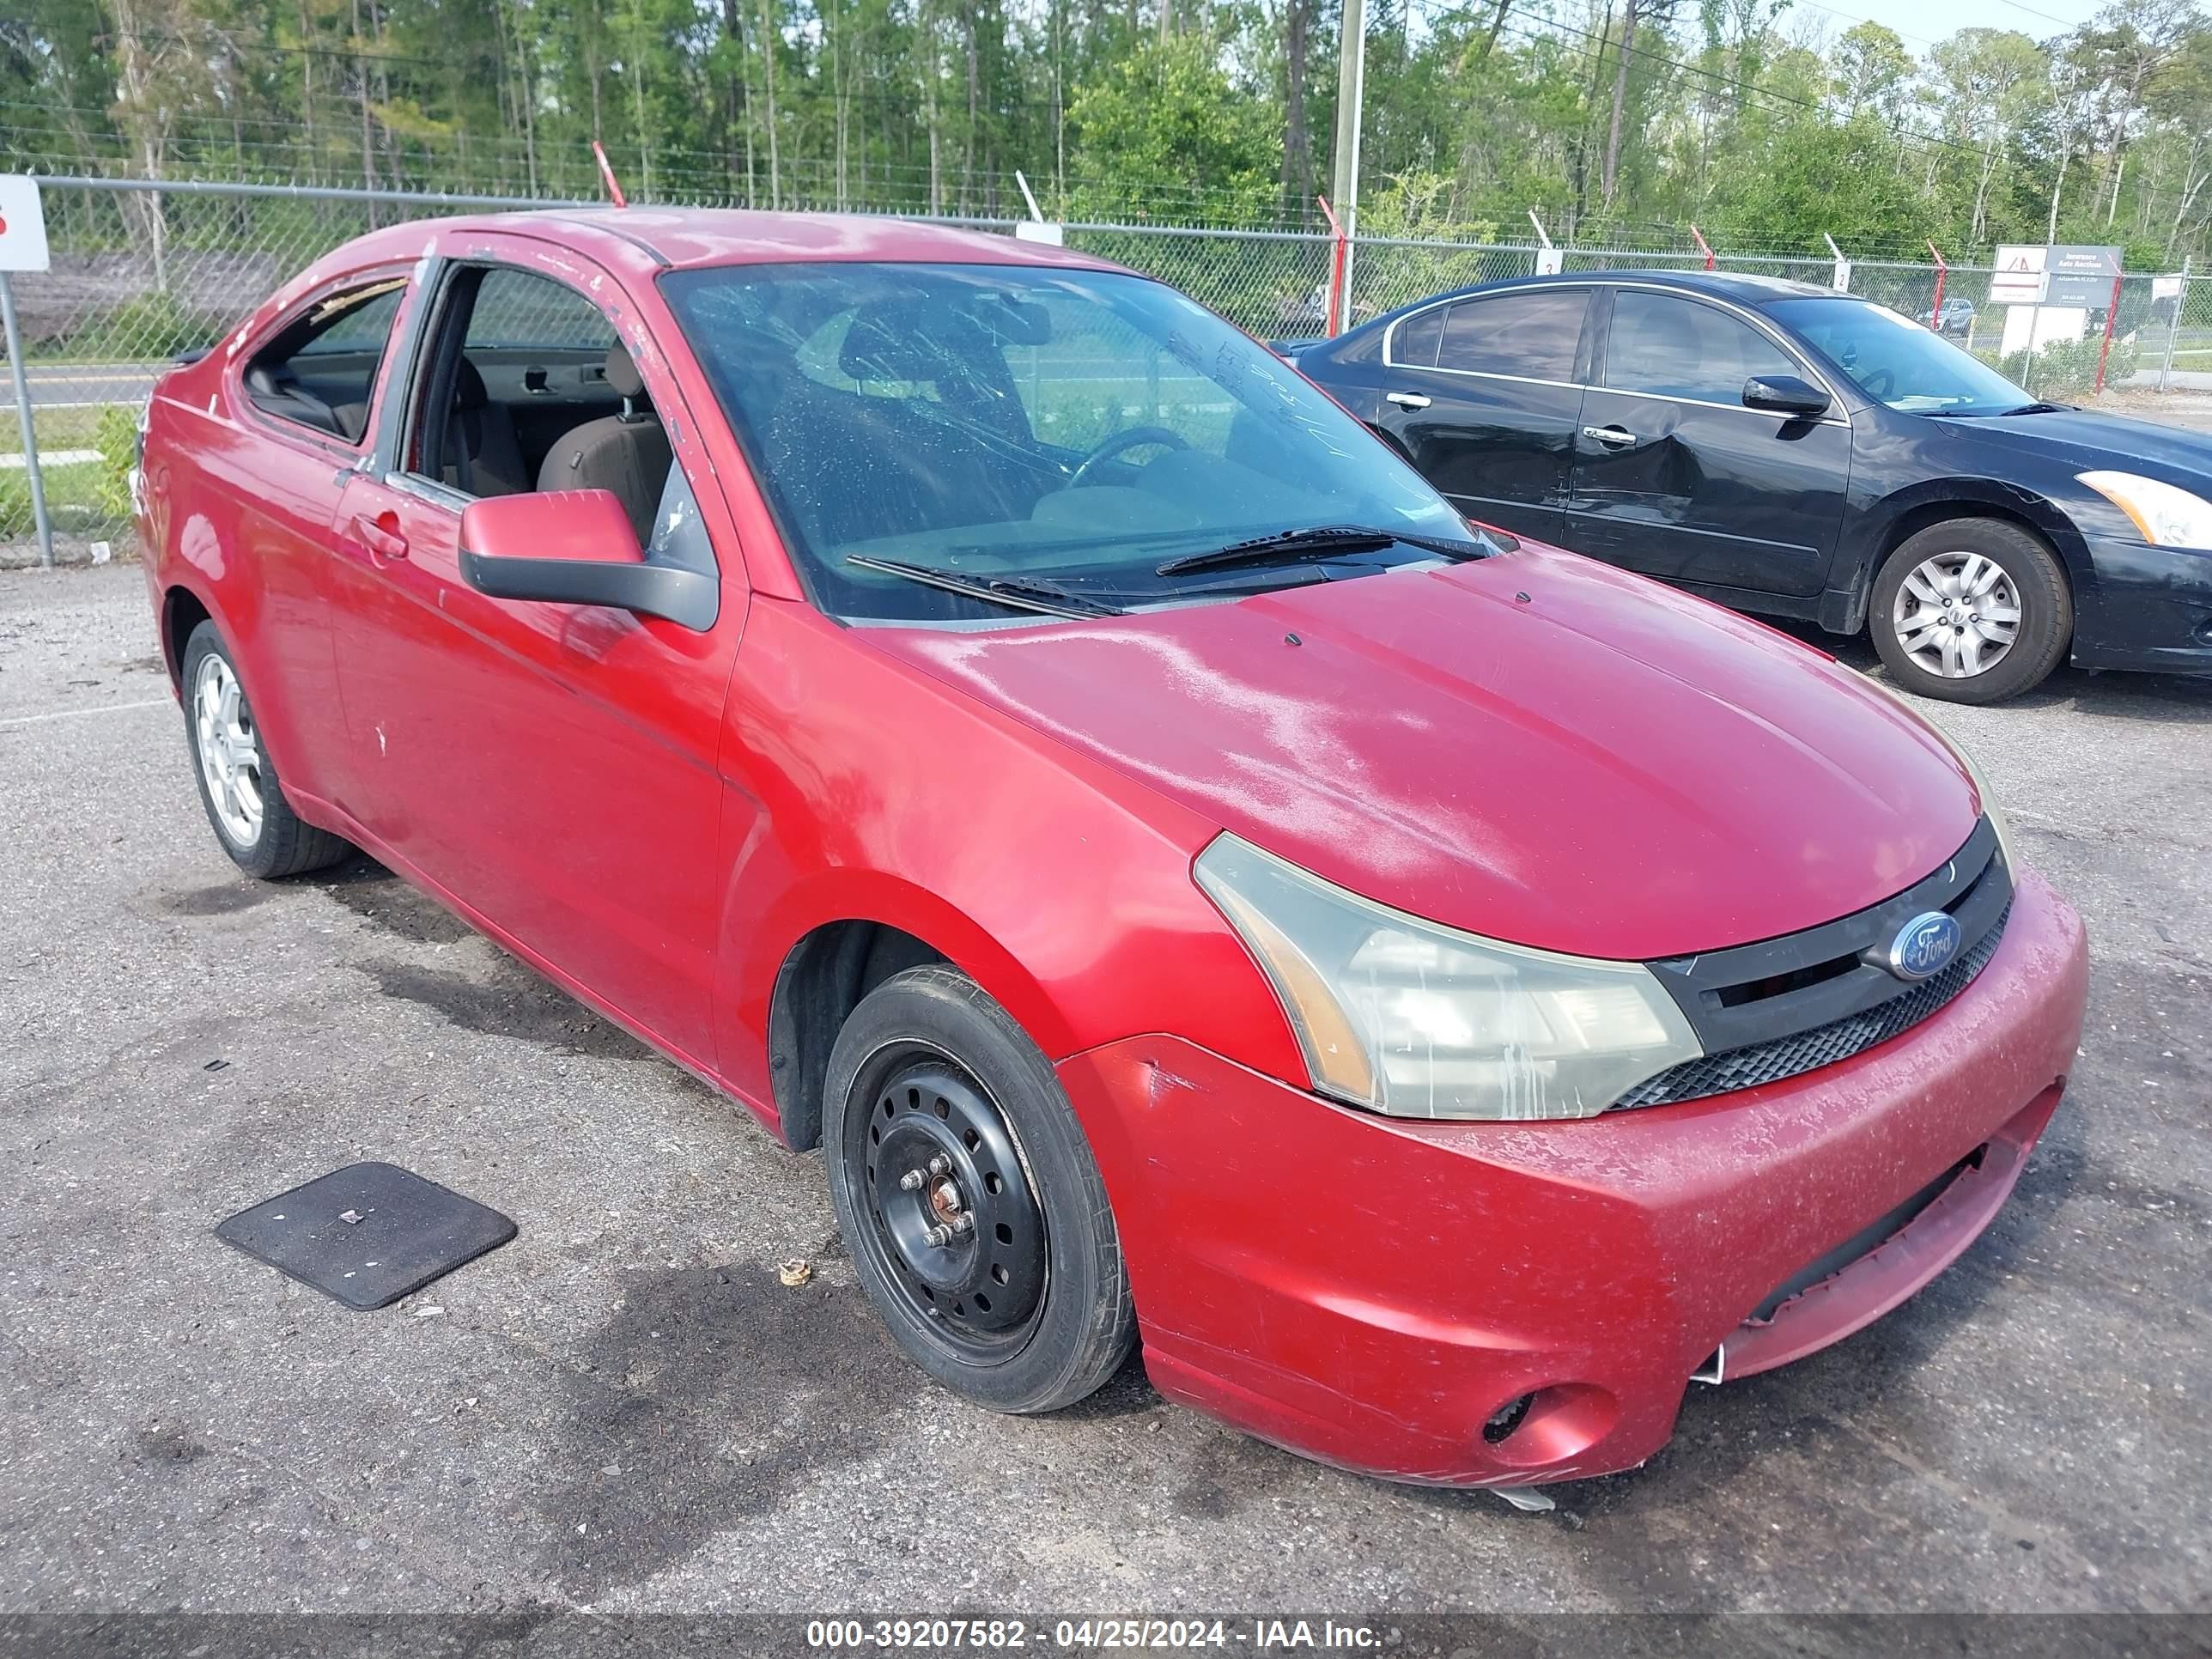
[116, 438]
[2066, 370]
[16, 520]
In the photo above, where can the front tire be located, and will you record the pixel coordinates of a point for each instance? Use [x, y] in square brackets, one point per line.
[969, 1199]
[246, 804]
[1972, 610]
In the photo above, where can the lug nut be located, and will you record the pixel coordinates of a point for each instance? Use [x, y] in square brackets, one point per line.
[938, 1237]
[911, 1181]
[940, 1165]
[963, 1223]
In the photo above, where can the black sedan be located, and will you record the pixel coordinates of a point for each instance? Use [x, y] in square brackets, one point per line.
[1785, 449]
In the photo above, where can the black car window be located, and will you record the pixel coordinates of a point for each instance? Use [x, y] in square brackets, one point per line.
[320, 370]
[1414, 343]
[1676, 348]
[1533, 334]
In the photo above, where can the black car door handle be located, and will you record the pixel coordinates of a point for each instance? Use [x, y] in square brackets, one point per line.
[1614, 436]
[1407, 399]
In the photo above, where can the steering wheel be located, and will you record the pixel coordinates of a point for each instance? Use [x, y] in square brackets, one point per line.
[1879, 384]
[1135, 437]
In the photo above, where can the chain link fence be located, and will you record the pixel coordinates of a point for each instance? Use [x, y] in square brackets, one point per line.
[141, 272]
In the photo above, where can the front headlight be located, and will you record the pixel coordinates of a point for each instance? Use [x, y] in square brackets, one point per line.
[2167, 515]
[1409, 1017]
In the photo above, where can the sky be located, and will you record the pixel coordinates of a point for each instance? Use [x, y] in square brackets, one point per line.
[1922, 22]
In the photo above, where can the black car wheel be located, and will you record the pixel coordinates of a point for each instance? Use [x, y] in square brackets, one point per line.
[246, 804]
[969, 1200]
[1972, 610]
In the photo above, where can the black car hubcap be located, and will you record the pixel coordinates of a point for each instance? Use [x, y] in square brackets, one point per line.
[957, 1221]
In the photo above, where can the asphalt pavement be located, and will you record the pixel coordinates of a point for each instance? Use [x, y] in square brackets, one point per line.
[627, 1409]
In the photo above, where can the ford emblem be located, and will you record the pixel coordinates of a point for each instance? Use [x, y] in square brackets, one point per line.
[1925, 945]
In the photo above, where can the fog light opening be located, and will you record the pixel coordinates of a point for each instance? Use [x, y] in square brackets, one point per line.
[1506, 1419]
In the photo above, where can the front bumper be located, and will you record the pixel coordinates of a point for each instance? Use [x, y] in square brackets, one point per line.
[2150, 608]
[1370, 1291]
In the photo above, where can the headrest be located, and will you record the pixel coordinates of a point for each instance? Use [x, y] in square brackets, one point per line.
[621, 373]
[469, 387]
[906, 340]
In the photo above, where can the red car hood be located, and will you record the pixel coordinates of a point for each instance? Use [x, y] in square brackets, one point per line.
[1537, 748]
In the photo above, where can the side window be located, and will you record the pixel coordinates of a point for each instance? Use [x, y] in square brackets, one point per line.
[526, 388]
[1532, 333]
[320, 370]
[520, 310]
[1676, 348]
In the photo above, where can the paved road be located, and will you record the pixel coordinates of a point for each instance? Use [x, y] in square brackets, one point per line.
[625, 1409]
[89, 385]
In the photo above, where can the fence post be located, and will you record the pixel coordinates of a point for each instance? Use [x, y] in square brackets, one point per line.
[2112, 316]
[2173, 328]
[1936, 311]
[1337, 299]
[15, 338]
[1703, 247]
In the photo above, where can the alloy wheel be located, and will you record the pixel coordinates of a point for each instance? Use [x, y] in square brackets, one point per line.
[229, 753]
[1957, 615]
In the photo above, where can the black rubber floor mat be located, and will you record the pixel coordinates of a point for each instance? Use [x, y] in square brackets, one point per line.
[367, 1234]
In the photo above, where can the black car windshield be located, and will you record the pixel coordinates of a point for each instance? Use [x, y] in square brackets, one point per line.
[1897, 362]
[1029, 425]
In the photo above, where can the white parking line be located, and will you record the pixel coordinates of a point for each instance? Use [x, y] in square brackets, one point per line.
[104, 709]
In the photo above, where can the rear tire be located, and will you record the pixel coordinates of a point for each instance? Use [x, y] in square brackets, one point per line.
[238, 783]
[969, 1199]
[1972, 610]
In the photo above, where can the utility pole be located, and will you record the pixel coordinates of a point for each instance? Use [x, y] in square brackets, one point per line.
[1351, 89]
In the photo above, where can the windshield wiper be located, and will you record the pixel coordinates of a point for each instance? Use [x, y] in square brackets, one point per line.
[1014, 592]
[1999, 414]
[1324, 542]
[2037, 409]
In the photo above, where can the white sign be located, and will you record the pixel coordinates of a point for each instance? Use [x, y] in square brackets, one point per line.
[2165, 287]
[22, 224]
[1551, 261]
[2020, 278]
[1036, 230]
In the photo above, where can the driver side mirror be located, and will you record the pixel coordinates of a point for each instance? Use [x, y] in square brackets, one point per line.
[1785, 394]
[576, 547]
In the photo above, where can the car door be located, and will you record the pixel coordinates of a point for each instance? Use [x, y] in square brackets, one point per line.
[1484, 394]
[551, 766]
[1673, 476]
[304, 392]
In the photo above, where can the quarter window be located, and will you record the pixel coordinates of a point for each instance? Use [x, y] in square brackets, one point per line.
[1533, 334]
[320, 370]
[1676, 348]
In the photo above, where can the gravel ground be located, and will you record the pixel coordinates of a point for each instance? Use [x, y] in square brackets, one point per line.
[625, 1409]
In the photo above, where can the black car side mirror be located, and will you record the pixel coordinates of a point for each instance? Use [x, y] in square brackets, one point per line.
[1784, 394]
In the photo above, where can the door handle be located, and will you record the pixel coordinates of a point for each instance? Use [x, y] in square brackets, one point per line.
[1407, 399]
[383, 541]
[1613, 436]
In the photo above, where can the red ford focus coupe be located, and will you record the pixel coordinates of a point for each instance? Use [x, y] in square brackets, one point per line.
[997, 724]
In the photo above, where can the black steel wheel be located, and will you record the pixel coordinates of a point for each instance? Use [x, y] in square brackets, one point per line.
[955, 1214]
[969, 1198]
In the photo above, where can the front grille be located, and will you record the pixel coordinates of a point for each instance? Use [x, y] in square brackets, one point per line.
[1824, 1045]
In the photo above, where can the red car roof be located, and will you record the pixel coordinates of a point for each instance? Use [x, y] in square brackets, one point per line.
[682, 237]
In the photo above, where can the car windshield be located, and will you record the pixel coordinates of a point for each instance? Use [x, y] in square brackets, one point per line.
[1062, 431]
[1897, 362]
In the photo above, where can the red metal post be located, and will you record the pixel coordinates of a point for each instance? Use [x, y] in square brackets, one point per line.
[607, 173]
[1336, 311]
[1703, 247]
[1936, 311]
[2112, 315]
